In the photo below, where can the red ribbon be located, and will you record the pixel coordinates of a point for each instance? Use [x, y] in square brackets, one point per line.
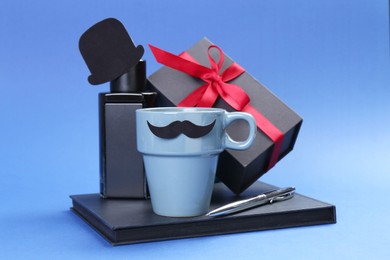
[216, 84]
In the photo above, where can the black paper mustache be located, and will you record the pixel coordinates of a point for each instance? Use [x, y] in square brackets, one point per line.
[176, 128]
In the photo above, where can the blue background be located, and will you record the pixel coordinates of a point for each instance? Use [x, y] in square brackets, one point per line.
[327, 59]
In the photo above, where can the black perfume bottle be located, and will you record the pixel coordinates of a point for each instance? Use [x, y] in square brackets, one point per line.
[121, 165]
[111, 56]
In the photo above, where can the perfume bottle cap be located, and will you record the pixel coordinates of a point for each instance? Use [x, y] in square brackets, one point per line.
[108, 51]
[132, 81]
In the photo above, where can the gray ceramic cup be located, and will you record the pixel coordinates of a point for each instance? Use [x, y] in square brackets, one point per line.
[180, 148]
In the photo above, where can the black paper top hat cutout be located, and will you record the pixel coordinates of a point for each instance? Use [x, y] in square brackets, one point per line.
[108, 51]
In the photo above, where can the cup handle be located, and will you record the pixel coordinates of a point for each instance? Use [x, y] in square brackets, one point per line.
[240, 145]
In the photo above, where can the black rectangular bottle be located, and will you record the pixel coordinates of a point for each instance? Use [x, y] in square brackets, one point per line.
[121, 165]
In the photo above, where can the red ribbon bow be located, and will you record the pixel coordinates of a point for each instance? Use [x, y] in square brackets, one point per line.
[216, 84]
[206, 95]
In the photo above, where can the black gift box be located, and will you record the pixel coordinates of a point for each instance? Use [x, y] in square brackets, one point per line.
[237, 169]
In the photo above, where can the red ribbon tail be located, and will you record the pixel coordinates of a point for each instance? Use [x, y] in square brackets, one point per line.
[179, 63]
[270, 130]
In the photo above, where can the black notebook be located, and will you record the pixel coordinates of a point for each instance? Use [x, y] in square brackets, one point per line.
[133, 221]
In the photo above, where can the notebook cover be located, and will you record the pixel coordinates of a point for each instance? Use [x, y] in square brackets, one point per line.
[133, 221]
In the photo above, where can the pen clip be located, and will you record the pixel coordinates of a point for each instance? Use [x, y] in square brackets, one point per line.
[281, 197]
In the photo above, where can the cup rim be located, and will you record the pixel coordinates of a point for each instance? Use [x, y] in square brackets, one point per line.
[173, 110]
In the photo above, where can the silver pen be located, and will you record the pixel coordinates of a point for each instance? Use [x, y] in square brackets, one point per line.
[268, 197]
